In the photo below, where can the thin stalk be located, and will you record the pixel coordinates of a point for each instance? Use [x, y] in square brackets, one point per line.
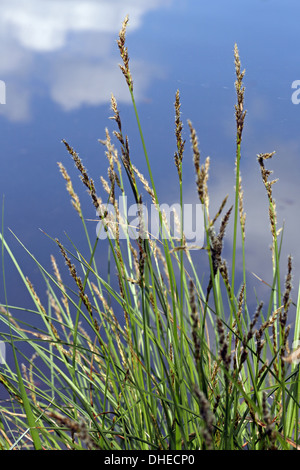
[236, 204]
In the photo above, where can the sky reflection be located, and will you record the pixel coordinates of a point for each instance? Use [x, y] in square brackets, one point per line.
[59, 61]
[69, 46]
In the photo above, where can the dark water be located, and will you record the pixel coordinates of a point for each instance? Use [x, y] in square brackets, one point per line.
[59, 62]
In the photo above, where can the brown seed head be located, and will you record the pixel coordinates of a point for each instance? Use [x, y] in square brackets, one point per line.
[124, 54]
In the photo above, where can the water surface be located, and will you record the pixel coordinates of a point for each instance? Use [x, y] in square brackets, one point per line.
[59, 63]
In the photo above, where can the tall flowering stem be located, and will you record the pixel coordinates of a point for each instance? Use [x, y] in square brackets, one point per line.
[240, 118]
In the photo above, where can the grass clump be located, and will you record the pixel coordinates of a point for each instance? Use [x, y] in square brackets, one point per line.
[144, 355]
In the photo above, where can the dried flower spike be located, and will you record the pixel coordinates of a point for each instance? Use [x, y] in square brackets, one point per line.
[223, 351]
[201, 170]
[88, 182]
[124, 54]
[74, 198]
[240, 90]
[178, 132]
[268, 185]
[207, 416]
[195, 322]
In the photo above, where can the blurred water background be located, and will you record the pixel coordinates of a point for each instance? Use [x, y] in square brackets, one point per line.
[59, 63]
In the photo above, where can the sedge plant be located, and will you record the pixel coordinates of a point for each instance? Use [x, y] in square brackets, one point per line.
[143, 354]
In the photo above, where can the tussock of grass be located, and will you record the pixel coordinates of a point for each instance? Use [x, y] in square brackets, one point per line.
[142, 354]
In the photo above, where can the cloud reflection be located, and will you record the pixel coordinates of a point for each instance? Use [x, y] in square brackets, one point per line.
[74, 39]
[44, 26]
[285, 164]
[92, 84]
